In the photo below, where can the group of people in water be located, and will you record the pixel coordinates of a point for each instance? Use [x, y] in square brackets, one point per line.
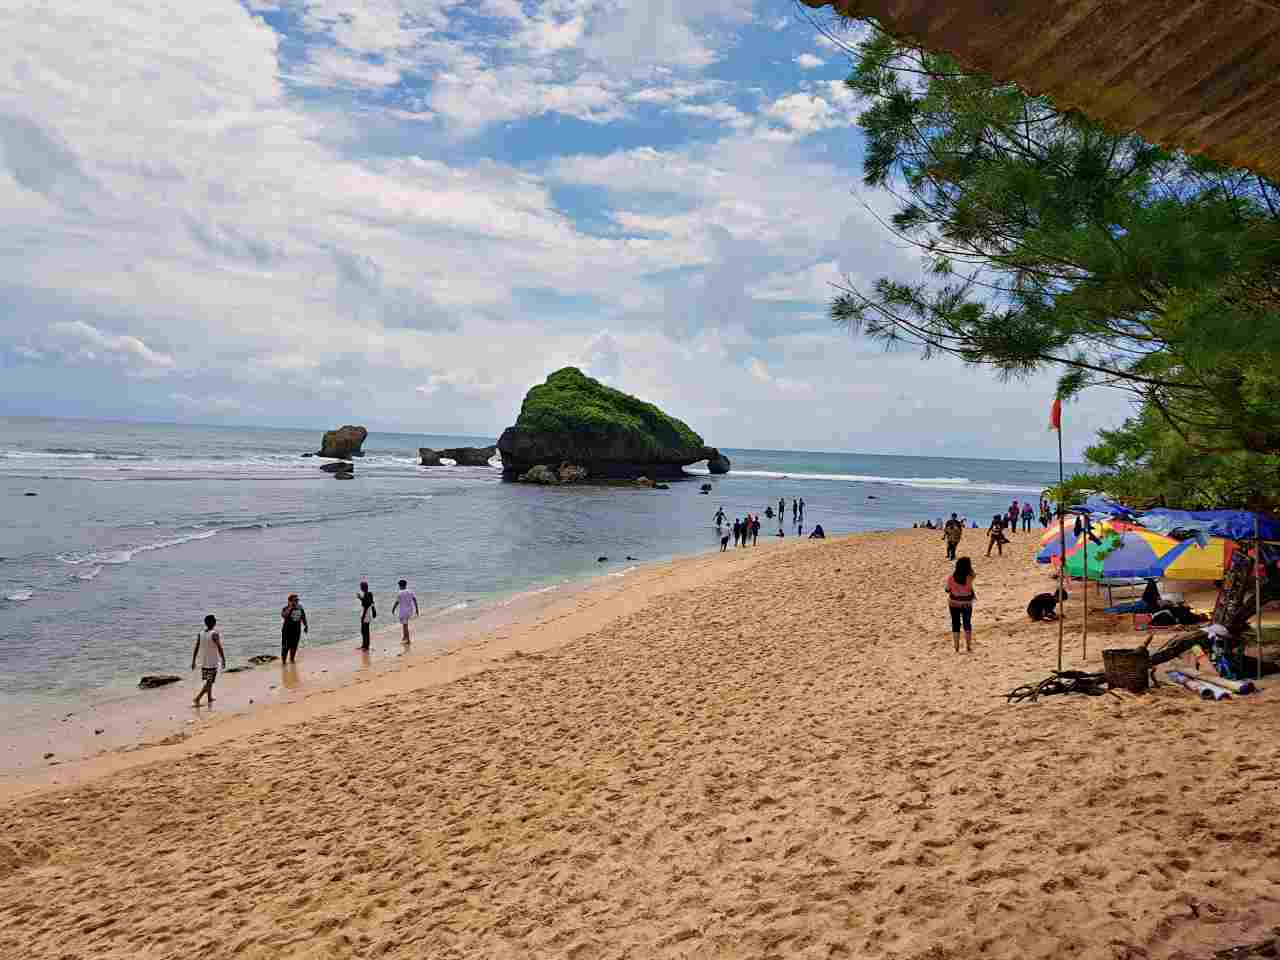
[211, 654]
[746, 530]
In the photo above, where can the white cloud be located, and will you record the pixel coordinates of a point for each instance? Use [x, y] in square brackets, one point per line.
[759, 370]
[807, 61]
[85, 343]
[805, 113]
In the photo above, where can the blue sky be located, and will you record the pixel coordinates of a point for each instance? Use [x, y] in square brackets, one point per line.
[405, 212]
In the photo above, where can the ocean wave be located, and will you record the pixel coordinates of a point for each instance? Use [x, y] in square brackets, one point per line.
[20, 596]
[89, 574]
[927, 483]
[125, 555]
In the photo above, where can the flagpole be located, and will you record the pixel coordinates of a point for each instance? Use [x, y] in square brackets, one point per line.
[1062, 544]
[1259, 570]
[1088, 529]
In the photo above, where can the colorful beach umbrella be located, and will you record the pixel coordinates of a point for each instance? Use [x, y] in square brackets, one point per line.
[1127, 552]
[1051, 541]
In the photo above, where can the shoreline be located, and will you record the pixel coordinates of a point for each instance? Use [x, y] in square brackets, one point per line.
[156, 725]
[776, 753]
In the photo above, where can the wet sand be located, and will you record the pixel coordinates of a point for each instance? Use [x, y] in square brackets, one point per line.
[775, 753]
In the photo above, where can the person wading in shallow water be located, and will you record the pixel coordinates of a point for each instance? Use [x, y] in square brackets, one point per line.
[404, 600]
[367, 613]
[291, 629]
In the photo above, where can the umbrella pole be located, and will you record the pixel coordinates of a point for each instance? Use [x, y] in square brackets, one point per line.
[1084, 643]
[1062, 556]
[1258, 572]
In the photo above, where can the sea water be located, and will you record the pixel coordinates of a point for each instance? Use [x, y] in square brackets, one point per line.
[138, 530]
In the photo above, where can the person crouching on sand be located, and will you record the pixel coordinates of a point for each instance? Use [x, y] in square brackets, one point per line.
[960, 597]
[209, 651]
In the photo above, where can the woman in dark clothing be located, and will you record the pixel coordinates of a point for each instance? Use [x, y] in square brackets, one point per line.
[996, 534]
[367, 613]
[291, 629]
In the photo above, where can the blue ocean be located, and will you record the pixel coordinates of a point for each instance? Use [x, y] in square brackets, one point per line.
[136, 531]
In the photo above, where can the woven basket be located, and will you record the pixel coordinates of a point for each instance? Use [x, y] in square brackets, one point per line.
[1127, 669]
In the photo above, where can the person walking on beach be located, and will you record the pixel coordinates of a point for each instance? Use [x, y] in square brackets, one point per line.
[724, 543]
[367, 613]
[960, 597]
[1027, 514]
[995, 534]
[782, 509]
[209, 651]
[1011, 517]
[291, 629]
[795, 510]
[755, 529]
[952, 533]
[737, 530]
[404, 601]
[802, 509]
[719, 517]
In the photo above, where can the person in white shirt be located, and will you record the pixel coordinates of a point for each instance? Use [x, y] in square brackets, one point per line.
[209, 650]
[404, 601]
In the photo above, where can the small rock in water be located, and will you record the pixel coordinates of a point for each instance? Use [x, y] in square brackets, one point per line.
[602, 559]
[149, 682]
[263, 658]
[48, 756]
[31, 493]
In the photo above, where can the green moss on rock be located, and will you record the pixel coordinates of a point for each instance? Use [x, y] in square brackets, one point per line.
[572, 402]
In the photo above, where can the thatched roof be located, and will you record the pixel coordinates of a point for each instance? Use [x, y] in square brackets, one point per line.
[1203, 75]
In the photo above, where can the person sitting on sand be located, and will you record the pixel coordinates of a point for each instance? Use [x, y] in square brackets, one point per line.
[960, 597]
[818, 533]
[996, 534]
[1043, 606]
[209, 650]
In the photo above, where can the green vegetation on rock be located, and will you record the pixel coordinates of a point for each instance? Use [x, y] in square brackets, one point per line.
[571, 402]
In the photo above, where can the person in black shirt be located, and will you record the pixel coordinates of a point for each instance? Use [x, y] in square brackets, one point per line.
[291, 629]
[367, 613]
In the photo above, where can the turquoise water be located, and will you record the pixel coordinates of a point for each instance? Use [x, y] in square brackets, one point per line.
[138, 530]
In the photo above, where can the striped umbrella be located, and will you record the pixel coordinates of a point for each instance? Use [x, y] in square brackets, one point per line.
[1051, 542]
[1129, 552]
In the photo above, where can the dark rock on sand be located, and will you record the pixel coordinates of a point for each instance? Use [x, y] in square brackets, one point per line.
[151, 681]
[263, 658]
[574, 419]
[340, 466]
[461, 456]
[717, 462]
[343, 443]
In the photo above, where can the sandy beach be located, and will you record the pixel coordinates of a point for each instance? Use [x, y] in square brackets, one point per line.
[774, 753]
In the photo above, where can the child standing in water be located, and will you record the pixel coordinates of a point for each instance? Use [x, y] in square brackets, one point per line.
[209, 651]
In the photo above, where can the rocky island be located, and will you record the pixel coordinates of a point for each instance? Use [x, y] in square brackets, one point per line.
[573, 428]
[344, 443]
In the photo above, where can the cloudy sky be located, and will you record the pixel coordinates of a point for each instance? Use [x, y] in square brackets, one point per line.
[405, 212]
